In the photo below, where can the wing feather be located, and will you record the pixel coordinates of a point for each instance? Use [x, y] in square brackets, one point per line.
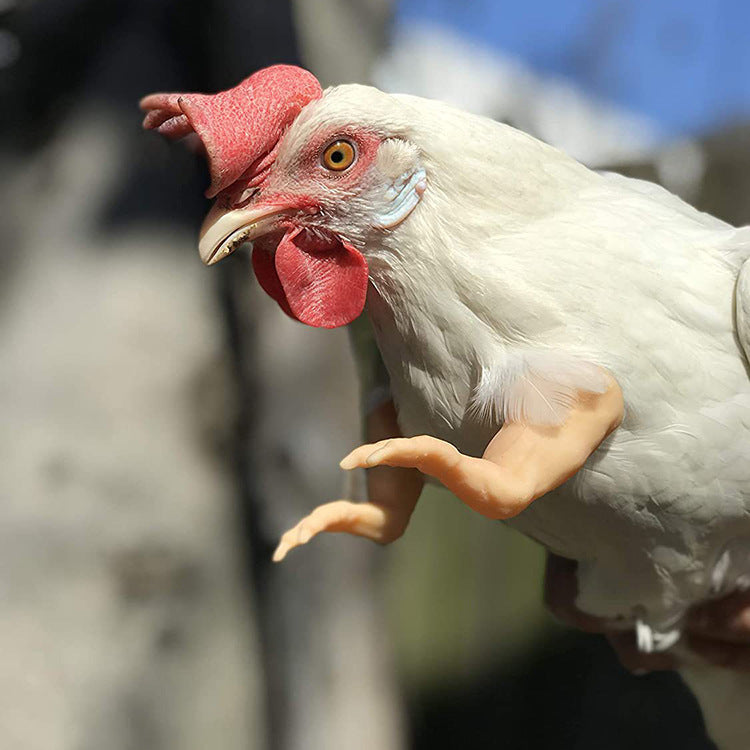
[742, 308]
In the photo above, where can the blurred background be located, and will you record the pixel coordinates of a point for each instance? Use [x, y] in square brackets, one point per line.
[162, 423]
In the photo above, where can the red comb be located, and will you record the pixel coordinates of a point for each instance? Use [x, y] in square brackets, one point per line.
[238, 126]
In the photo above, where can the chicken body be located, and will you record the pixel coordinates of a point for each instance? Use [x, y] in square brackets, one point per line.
[522, 264]
[501, 276]
[600, 269]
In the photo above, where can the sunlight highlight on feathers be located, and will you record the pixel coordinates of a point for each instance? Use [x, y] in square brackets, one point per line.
[534, 387]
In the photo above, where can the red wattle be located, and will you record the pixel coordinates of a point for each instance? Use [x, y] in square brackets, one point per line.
[265, 272]
[322, 283]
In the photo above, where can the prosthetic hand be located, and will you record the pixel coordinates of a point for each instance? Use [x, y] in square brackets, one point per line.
[521, 463]
[392, 492]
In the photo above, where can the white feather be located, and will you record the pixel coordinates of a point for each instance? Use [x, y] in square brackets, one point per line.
[518, 272]
[533, 386]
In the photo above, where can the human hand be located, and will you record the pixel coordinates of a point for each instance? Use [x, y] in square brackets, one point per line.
[393, 493]
[718, 631]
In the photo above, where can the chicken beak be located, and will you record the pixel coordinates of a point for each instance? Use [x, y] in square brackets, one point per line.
[223, 231]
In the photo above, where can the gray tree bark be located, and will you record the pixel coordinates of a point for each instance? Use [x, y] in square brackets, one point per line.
[161, 425]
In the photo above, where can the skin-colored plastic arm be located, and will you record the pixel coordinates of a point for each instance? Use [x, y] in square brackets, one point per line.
[521, 463]
[393, 493]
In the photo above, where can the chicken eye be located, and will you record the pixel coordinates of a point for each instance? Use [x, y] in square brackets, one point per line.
[338, 156]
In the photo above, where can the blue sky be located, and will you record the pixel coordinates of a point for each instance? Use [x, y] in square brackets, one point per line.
[684, 64]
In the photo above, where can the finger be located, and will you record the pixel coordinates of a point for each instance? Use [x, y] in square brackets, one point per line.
[560, 593]
[726, 619]
[358, 457]
[282, 548]
[424, 452]
[720, 653]
[636, 661]
[338, 515]
[301, 534]
[286, 543]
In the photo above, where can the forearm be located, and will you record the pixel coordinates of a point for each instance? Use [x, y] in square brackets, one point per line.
[524, 462]
[521, 463]
[392, 492]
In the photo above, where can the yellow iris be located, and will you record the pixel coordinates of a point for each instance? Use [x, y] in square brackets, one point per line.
[338, 156]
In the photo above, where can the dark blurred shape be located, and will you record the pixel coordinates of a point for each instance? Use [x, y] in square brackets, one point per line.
[570, 694]
[110, 54]
[80, 68]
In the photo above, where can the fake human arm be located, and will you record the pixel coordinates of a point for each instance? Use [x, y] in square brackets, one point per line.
[392, 492]
[521, 463]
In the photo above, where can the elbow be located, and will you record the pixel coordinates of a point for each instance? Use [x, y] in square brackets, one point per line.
[388, 537]
[515, 500]
[392, 531]
[614, 403]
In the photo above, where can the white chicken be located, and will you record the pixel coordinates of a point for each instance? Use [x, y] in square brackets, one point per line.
[505, 282]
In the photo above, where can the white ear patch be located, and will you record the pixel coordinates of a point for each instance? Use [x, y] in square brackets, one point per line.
[395, 157]
[398, 162]
[536, 387]
[402, 197]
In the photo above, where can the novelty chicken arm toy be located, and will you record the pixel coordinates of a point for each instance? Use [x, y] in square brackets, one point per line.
[566, 349]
